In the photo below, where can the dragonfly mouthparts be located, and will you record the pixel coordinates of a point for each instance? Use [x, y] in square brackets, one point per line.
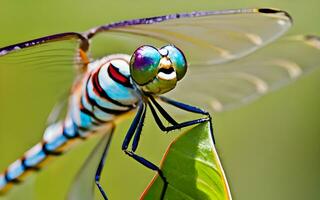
[166, 70]
[167, 74]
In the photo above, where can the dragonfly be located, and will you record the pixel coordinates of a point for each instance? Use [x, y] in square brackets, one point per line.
[203, 57]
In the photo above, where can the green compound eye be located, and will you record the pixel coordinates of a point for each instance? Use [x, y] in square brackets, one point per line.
[144, 64]
[178, 60]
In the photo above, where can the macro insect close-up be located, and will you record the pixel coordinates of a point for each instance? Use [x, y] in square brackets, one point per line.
[65, 96]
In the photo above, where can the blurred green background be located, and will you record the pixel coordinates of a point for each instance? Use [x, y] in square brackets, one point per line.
[270, 148]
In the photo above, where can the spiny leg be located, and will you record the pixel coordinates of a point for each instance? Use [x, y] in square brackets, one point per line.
[136, 128]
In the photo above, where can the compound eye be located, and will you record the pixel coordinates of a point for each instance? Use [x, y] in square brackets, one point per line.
[178, 60]
[144, 64]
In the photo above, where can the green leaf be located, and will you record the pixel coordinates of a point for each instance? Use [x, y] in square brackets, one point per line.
[192, 167]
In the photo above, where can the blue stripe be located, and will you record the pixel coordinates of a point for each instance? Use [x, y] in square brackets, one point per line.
[115, 90]
[3, 181]
[85, 120]
[70, 128]
[93, 104]
[85, 103]
[53, 137]
[35, 159]
[102, 102]
[56, 143]
[103, 115]
[15, 170]
[81, 120]
[97, 111]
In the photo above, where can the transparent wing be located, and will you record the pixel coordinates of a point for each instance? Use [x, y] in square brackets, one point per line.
[84, 183]
[206, 37]
[225, 86]
[33, 75]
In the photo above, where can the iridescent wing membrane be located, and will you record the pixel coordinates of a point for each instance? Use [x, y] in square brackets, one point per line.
[209, 39]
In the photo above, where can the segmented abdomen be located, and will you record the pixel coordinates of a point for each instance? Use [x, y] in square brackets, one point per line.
[104, 93]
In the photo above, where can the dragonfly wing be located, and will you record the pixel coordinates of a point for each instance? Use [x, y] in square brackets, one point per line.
[84, 183]
[206, 37]
[226, 86]
[59, 110]
[33, 74]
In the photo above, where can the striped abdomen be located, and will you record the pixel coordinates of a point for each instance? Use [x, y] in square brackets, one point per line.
[105, 92]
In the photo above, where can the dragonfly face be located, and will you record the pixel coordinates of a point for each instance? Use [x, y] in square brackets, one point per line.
[157, 71]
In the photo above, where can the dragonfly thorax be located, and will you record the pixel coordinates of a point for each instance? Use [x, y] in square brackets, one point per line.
[108, 86]
[157, 71]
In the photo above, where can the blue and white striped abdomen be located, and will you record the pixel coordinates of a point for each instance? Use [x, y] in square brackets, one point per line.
[105, 92]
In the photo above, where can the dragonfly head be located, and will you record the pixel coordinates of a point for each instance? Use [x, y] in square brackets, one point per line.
[157, 71]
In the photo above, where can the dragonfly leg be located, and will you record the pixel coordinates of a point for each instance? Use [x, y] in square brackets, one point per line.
[182, 106]
[137, 122]
[100, 168]
[136, 128]
[138, 131]
[97, 179]
[151, 166]
[162, 111]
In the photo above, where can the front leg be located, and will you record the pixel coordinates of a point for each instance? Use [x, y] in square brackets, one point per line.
[181, 106]
[136, 129]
